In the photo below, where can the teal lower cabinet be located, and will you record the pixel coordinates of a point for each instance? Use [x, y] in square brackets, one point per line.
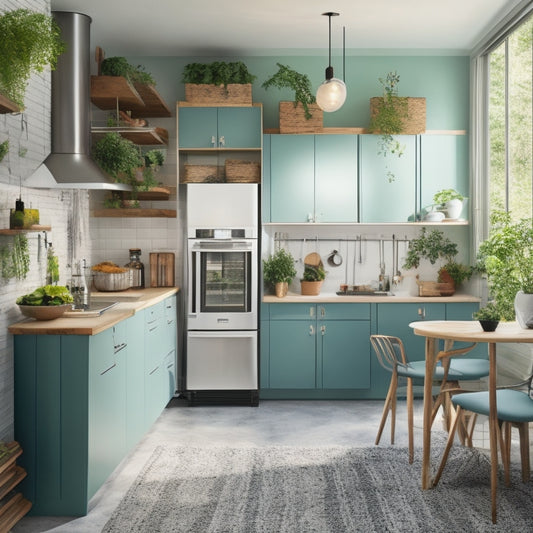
[81, 403]
[322, 351]
[314, 350]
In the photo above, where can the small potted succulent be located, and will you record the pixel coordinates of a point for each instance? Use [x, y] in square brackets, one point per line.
[302, 115]
[488, 316]
[312, 280]
[279, 271]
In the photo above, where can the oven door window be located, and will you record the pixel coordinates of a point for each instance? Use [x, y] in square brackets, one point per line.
[225, 282]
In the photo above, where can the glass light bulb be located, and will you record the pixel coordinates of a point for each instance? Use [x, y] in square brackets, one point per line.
[331, 95]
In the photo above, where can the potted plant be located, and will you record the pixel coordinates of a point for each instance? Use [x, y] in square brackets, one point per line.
[391, 115]
[218, 82]
[450, 202]
[119, 66]
[506, 258]
[312, 280]
[488, 316]
[278, 270]
[30, 42]
[302, 115]
[434, 245]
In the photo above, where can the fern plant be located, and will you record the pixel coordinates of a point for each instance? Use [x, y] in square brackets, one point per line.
[30, 41]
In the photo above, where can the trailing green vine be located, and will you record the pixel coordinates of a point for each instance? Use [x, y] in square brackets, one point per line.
[15, 259]
[30, 41]
[4, 148]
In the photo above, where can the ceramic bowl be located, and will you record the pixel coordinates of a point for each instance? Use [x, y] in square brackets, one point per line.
[434, 216]
[44, 312]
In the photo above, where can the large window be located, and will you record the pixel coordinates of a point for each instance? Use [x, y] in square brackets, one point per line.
[510, 123]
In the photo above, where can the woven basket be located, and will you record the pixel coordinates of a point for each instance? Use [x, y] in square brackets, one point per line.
[311, 288]
[238, 171]
[292, 119]
[233, 93]
[414, 123]
[203, 174]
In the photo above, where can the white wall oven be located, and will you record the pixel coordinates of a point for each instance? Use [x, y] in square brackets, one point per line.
[222, 291]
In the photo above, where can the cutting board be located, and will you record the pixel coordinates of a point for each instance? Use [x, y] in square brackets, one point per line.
[161, 269]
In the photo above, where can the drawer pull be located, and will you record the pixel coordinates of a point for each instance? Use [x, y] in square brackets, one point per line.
[108, 369]
[120, 347]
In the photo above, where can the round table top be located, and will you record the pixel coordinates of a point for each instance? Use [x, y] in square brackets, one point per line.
[471, 331]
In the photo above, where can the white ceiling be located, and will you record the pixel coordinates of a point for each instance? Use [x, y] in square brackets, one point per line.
[279, 27]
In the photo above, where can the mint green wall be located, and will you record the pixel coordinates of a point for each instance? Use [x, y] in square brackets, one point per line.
[443, 80]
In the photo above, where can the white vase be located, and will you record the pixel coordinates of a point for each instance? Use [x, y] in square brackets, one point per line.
[454, 208]
[523, 306]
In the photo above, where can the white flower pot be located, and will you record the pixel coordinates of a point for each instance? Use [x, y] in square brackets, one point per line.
[454, 209]
[523, 306]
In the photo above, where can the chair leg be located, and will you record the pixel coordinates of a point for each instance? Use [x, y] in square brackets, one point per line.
[523, 430]
[451, 435]
[387, 407]
[470, 426]
[410, 421]
[393, 412]
[504, 433]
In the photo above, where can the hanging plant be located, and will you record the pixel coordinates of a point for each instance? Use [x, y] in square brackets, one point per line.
[30, 42]
[4, 148]
[15, 259]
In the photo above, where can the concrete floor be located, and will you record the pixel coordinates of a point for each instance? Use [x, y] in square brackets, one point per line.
[290, 423]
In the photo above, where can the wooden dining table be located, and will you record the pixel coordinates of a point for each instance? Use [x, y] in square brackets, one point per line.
[451, 331]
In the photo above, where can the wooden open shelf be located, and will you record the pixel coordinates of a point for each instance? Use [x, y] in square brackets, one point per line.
[154, 194]
[35, 227]
[133, 212]
[141, 135]
[142, 100]
[8, 106]
[363, 131]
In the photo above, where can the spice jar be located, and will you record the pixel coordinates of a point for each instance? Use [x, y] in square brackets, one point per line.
[137, 269]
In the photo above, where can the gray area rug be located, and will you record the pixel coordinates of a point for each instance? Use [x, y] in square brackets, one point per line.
[320, 489]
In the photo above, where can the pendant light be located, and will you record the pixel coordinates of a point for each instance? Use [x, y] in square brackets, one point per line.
[331, 95]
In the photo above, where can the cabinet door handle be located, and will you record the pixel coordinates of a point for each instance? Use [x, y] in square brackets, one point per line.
[213, 141]
[222, 141]
[311, 330]
[422, 312]
[152, 329]
[322, 311]
[323, 330]
[108, 369]
[312, 311]
[119, 347]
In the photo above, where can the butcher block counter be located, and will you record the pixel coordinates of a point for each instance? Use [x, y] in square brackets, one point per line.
[130, 302]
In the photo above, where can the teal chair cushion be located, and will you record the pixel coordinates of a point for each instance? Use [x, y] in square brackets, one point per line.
[460, 369]
[512, 405]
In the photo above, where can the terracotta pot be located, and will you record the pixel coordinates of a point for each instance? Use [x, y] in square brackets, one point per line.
[282, 288]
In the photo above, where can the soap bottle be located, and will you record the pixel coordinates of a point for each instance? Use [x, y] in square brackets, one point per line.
[137, 269]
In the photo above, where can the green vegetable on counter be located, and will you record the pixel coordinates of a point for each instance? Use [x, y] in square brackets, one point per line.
[47, 295]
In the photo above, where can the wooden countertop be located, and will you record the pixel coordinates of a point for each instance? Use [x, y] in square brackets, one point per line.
[130, 301]
[334, 298]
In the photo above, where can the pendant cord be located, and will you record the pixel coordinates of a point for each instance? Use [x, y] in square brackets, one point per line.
[329, 16]
[343, 53]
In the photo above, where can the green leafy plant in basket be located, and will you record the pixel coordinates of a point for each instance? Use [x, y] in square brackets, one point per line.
[29, 42]
[279, 267]
[287, 78]
[217, 73]
[314, 273]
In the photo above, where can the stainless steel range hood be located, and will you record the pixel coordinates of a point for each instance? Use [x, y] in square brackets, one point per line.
[70, 166]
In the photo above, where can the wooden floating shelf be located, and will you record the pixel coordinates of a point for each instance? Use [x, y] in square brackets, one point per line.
[154, 194]
[142, 100]
[35, 227]
[362, 131]
[133, 212]
[8, 106]
[141, 135]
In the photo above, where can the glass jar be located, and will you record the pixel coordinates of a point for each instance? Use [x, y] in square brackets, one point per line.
[137, 269]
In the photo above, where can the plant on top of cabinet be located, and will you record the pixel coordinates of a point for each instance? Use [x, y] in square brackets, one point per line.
[434, 245]
[218, 82]
[119, 66]
[506, 257]
[304, 105]
[30, 42]
[312, 280]
[391, 115]
[278, 270]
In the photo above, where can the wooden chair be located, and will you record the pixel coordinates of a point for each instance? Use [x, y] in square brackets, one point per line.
[391, 356]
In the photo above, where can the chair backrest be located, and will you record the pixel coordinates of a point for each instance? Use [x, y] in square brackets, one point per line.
[389, 350]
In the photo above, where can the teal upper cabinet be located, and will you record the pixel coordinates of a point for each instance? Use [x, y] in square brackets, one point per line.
[219, 127]
[383, 200]
[313, 178]
[444, 165]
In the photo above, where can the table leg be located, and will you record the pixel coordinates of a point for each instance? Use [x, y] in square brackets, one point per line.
[431, 345]
[493, 429]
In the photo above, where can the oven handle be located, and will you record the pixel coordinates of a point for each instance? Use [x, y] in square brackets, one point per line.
[227, 246]
[221, 333]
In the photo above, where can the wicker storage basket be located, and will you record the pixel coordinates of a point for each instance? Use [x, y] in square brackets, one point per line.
[203, 174]
[415, 122]
[104, 281]
[428, 288]
[238, 171]
[311, 288]
[233, 93]
[292, 119]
